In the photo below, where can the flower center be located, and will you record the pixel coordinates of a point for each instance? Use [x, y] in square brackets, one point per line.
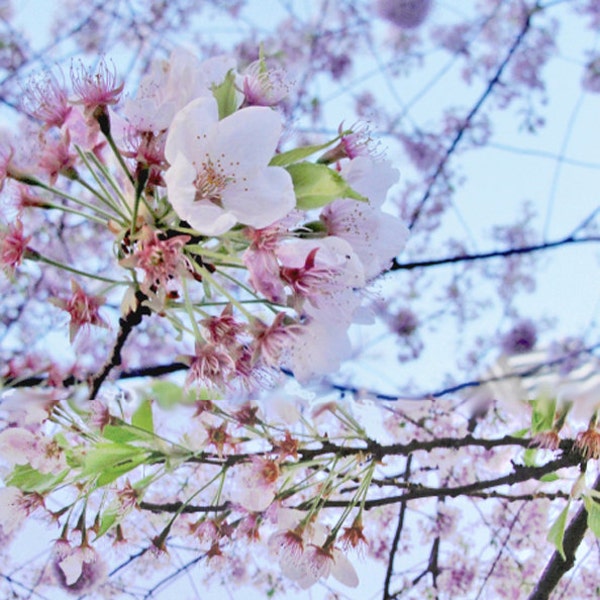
[210, 182]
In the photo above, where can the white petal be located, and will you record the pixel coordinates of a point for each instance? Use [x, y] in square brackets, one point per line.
[343, 570]
[265, 196]
[72, 567]
[371, 178]
[248, 137]
[190, 129]
[209, 219]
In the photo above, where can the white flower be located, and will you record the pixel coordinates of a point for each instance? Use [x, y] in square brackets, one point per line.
[219, 173]
[375, 236]
[171, 85]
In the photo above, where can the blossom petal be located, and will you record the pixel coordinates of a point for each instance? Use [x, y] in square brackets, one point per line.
[248, 137]
[190, 129]
[343, 571]
[266, 195]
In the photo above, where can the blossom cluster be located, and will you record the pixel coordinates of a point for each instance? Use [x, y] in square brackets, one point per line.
[261, 254]
[256, 256]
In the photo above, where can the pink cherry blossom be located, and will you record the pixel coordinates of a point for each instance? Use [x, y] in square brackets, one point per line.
[322, 272]
[82, 308]
[263, 86]
[211, 366]
[16, 507]
[219, 173]
[95, 88]
[13, 246]
[255, 484]
[46, 99]
[161, 259]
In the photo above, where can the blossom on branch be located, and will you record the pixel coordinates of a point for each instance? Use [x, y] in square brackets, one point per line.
[219, 174]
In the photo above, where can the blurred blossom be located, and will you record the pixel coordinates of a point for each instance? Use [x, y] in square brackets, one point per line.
[591, 76]
[405, 322]
[406, 14]
[78, 570]
[263, 86]
[521, 338]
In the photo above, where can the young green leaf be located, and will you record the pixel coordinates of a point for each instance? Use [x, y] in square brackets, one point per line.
[166, 393]
[542, 417]
[226, 95]
[28, 479]
[142, 417]
[318, 185]
[593, 511]
[557, 531]
[297, 154]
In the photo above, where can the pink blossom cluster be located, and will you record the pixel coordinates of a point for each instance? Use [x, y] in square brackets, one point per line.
[256, 256]
[262, 255]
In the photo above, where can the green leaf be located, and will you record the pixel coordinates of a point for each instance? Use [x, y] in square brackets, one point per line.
[529, 457]
[557, 531]
[107, 462]
[542, 418]
[109, 518]
[521, 433]
[28, 479]
[142, 417]
[166, 393]
[121, 434]
[318, 185]
[292, 156]
[549, 477]
[226, 95]
[593, 511]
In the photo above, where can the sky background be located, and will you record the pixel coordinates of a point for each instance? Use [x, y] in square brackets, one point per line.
[557, 170]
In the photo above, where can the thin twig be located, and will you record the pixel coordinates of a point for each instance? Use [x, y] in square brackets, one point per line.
[396, 540]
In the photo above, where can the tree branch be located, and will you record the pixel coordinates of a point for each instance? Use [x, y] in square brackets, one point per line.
[126, 326]
[436, 262]
[396, 540]
[557, 567]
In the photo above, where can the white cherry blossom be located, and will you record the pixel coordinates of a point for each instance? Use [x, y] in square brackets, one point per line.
[219, 173]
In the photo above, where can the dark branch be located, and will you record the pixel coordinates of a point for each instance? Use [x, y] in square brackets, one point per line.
[126, 326]
[557, 566]
[416, 491]
[435, 262]
[396, 540]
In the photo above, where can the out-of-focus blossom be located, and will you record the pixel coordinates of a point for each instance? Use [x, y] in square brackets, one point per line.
[46, 99]
[263, 86]
[521, 338]
[13, 246]
[78, 570]
[591, 76]
[28, 408]
[16, 507]
[171, 84]
[406, 14]
[254, 484]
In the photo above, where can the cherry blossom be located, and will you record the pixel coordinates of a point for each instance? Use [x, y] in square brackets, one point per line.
[171, 84]
[83, 309]
[219, 175]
